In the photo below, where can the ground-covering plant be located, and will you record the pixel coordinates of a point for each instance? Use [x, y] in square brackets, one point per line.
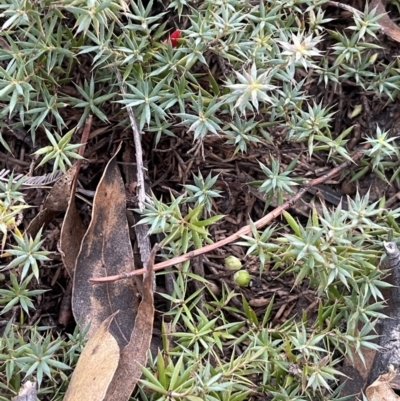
[238, 72]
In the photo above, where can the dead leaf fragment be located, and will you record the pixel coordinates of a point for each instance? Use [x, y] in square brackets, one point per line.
[41, 220]
[380, 389]
[96, 366]
[58, 197]
[56, 201]
[389, 27]
[72, 232]
[106, 250]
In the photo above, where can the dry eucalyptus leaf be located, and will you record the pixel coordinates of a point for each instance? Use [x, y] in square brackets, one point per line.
[105, 251]
[96, 366]
[134, 355]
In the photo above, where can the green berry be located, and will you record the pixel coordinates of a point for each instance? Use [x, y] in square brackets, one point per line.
[233, 263]
[242, 278]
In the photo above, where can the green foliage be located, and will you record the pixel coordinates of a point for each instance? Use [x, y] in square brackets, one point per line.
[301, 51]
[382, 148]
[366, 24]
[334, 145]
[262, 44]
[8, 219]
[61, 152]
[259, 244]
[201, 192]
[243, 132]
[269, 56]
[277, 182]
[27, 254]
[251, 90]
[306, 125]
[18, 294]
[146, 97]
[182, 231]
[36, 358]
[33, 353]
[89, 102]
[9, 192]
[11, 205]
[204, 120]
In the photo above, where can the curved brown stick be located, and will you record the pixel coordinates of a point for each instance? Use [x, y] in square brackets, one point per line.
[243, 231]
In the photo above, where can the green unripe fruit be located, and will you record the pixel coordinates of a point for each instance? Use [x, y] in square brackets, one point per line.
[242, 278]
[233, 263]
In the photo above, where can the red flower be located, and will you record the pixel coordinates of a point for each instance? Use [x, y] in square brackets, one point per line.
[174, 37]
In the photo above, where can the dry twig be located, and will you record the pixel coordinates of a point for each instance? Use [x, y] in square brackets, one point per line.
[141, 231]
[244, 230]
[345, 7]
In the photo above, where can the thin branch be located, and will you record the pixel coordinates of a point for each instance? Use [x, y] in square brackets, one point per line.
[388, 27]
[85, 134]
[244, 230]
[345, 7]
[84, 139]
[141, 231]
[138, 146]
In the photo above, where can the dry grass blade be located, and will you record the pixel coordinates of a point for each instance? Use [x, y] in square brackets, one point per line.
[4, 173]
[37, 181]
[42, 180]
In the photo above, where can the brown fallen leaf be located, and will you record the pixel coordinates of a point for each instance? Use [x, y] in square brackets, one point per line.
[389, 27]
[73, 229]
[134, 355]
[380, 389]
[72, 232]
[105, 250]
[58, 197]
[65, 313]
[56, 201]
[96, 366]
